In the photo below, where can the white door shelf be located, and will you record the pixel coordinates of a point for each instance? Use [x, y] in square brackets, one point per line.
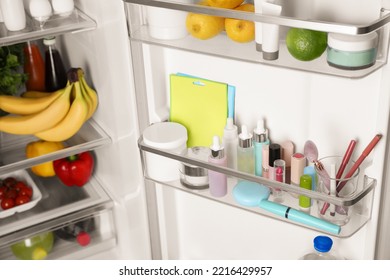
[56, 25]
[222, 46]
[360, 203]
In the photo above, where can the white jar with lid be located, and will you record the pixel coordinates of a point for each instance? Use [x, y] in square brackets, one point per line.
[352, 52]
[13, 14]
[167, 136]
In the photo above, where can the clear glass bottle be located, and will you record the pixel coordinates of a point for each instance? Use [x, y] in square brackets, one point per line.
[217, 180]
[230, 143]
[54, 67]
[322, 247]
[245, 152]
[34, 66]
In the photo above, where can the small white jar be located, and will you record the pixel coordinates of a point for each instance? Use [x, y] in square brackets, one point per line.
[352, 52]
[40, 10]
[195, 177]
[168, 136]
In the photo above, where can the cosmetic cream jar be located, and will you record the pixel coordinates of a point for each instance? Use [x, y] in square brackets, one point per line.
[192, 176]
[166, 136]
[352, 52]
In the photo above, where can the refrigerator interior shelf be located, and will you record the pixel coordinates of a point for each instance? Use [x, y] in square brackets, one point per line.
[56, 25]
[360, 202]
[222, 46]
[59, 205]
[13, 155]
[101, 232]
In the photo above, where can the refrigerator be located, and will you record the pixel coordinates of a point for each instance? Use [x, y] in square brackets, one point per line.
[138, 217]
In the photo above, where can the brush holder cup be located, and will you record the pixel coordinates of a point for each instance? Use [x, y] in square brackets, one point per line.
[338, 186]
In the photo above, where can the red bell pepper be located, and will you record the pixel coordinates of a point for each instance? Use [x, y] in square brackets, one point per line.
[75, 170]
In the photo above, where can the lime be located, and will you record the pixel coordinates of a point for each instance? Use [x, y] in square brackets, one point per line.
[306, 44]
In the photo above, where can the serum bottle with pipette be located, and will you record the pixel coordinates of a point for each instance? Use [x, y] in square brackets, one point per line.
[217, 180]
[260, 138]
[245, 152]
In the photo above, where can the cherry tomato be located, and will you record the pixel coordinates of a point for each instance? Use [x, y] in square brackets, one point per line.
[9, 182]
[26, 191]
[3, 191]
[22, 199]
[12, 193]
[19, 185]
[7, 203]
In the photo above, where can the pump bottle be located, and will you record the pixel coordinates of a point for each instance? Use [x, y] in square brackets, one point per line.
[260, 138]
[217, 180]
[230, 143]
[245, 152]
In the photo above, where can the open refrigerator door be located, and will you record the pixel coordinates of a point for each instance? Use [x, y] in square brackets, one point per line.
[299, 101]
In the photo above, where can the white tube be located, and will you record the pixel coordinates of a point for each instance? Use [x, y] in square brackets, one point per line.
[270, 32]
[258, 26]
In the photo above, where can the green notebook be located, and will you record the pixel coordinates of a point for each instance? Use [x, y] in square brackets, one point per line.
[201, 106]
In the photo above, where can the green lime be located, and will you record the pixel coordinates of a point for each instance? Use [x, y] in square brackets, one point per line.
[305, 44]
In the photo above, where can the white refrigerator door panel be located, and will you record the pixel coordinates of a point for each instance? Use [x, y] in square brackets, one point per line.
[297, 106]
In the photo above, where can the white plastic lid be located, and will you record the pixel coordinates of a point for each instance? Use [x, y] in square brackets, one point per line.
[165, 135]
[353, 42]
[49, 41]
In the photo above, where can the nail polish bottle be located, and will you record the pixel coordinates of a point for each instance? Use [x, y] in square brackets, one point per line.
[217, 180]
[230, 143]
[245, 152]
[260, 138]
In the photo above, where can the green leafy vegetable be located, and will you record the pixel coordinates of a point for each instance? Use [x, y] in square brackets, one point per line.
[12, 77]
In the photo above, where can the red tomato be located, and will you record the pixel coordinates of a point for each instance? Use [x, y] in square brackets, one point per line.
[22, 199]
[3, 191]
[7, 203]
[19, 185]
[9, 182]
[12, 193]
[26, 191]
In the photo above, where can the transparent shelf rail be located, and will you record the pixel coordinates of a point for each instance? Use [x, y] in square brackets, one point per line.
[359, 203]
[56, 25]
[13, 155]
[222, 46]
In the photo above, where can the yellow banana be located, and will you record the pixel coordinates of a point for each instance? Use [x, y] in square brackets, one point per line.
[88, 90]
[27, 105]
[45, 119]
[72, 122]
[35, 94]
[88, 100]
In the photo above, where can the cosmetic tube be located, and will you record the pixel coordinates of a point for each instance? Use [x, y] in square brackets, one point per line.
[217, 180]
[245, 152]
[260, 138]
[310, 170]
[305, 201]
[270, 32]
[274, 154]
[258, 25]
[287, 152]
[299, 216]
[279, 176]
[230, 143]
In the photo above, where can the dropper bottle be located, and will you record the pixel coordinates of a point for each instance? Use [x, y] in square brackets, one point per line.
[217, 180]
[230, 142]
[260, 138]
[245, 152]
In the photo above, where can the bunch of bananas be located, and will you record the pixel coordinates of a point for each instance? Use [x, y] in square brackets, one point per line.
[53, 116]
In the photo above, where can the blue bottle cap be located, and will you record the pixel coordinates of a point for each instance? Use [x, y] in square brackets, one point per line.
[323, 244]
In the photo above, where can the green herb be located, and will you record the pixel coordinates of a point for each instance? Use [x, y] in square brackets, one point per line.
[12, 77]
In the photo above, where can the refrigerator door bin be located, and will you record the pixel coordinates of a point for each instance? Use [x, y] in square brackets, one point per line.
[12, 147]
[98, 225]
[359, 204]
[222, 46]
[56, 25]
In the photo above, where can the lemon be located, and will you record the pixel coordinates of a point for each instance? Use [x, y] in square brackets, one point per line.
[305, 44]
[227, 4]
